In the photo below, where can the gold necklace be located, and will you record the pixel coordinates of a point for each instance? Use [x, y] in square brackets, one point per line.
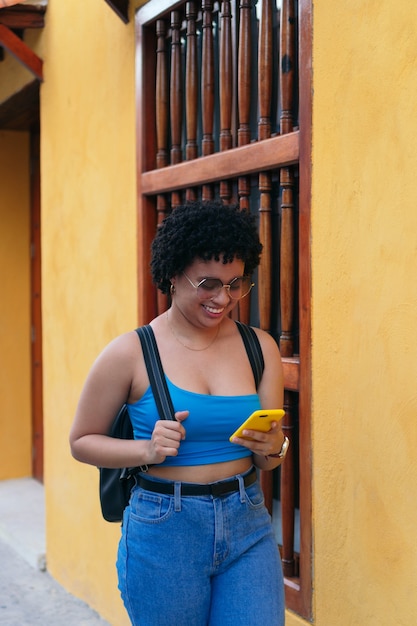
[188, 347]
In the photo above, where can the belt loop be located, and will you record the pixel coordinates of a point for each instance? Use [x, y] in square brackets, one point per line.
[177, 496]
[242, 491]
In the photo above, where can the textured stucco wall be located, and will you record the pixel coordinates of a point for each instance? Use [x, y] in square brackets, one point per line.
[364, 225]
[89, 267]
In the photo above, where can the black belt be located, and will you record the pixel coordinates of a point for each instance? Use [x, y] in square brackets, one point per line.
[194, 489]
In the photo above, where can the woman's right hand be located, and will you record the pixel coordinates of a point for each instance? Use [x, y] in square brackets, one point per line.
[166, 438]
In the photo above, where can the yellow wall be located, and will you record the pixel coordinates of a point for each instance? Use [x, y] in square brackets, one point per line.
[15, 392]
[89, 267]
[364, 240]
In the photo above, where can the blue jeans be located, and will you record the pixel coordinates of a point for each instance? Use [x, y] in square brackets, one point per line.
[200, 560]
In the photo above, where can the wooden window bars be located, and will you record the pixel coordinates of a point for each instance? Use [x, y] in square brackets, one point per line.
[224, 110]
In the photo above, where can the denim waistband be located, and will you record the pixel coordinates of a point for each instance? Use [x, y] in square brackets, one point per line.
[220, 488]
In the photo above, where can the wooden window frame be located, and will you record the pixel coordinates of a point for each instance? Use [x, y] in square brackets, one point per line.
[294, 147]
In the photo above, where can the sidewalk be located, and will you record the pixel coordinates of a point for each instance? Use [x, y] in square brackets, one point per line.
[28, 594]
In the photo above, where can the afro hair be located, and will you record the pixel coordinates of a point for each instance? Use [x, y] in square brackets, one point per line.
[206, 231]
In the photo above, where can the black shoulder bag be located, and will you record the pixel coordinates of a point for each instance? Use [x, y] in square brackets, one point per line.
[116, 484]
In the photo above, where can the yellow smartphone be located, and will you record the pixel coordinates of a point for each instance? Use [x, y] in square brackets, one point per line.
[259, 420]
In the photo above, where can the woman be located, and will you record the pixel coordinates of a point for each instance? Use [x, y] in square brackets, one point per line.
[201, 559]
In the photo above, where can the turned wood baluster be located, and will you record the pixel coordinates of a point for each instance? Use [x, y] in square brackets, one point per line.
[264, 132]
[265, 209]
[176, 97]
[162, 96]
[287, 487]
[287, 264]
[287, 277]
[244, 87]
[286, 345]
[162, 119]
[288, 61]
[243, 133]
[226, 88]
[191, 82]
[207, 88]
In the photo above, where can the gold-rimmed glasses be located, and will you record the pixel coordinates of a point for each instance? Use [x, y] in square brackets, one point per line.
[209, 288]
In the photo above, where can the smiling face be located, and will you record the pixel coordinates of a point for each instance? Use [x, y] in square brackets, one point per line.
[200, 311]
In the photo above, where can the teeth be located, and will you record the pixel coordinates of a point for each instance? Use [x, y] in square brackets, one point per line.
[213, 310]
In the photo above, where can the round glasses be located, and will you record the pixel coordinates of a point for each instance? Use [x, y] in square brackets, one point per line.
[208, 288]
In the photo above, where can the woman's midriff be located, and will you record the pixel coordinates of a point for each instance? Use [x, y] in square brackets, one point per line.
[202, 473]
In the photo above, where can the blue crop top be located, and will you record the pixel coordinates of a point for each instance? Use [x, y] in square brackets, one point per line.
[211, 421]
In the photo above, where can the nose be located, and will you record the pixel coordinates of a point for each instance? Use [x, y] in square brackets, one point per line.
[224, 295]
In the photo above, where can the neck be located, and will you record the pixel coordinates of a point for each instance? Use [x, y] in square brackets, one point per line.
[186, 343]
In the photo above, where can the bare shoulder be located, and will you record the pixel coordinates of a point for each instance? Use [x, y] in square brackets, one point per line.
[271, 388]
[269, 346]
[119, 355]
[123, 344]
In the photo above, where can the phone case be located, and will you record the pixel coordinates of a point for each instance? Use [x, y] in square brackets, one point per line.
[259, 420]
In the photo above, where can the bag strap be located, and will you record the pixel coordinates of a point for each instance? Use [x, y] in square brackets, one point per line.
[254, 350]
[156, 373]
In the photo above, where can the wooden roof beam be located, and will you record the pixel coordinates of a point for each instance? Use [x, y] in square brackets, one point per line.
[21, 51]
[23, 16]
[121, 7]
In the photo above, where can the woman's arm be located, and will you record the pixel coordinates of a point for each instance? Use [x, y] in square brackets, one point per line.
[107, 388]
[271, 394]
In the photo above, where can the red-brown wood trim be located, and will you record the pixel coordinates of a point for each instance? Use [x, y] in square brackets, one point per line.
[265, 155]
[300, 600]
[23, 16]
[121, 7]
[36, 312]
[21, 51]
[145, 153]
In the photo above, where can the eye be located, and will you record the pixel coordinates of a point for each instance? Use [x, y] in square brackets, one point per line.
[210, 284]
[236, 284]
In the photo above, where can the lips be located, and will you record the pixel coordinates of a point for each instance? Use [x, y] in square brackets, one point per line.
[213, 310]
